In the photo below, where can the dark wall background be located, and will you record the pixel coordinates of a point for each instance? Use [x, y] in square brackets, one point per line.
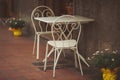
[3, 8]
[103, 33]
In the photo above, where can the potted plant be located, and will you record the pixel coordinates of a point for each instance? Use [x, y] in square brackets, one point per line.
[107, 61]
[15, 25]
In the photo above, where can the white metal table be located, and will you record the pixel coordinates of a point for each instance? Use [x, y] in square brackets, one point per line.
[52, 19]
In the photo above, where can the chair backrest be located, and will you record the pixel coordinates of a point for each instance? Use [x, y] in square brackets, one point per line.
[40, 11]
[66, 27]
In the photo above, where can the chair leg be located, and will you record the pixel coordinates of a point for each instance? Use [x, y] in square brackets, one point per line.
[38, 42]
[56, 58]
[54, 66]
[48, 53]
[75, 58]
[34, 45]
[83, 59]
[45, 60]
[80, 64]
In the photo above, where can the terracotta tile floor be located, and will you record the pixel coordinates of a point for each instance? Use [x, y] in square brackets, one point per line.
[16, 61]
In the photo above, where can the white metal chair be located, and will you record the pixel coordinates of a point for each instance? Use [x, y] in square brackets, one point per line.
[39, 27]
[68, 34]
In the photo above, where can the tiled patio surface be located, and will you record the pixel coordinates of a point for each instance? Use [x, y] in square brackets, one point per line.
[16, 61]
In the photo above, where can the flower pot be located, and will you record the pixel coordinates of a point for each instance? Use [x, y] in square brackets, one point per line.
[17, 32]
[109, 74]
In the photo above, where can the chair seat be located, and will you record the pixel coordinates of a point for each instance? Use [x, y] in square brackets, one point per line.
[63, 44]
